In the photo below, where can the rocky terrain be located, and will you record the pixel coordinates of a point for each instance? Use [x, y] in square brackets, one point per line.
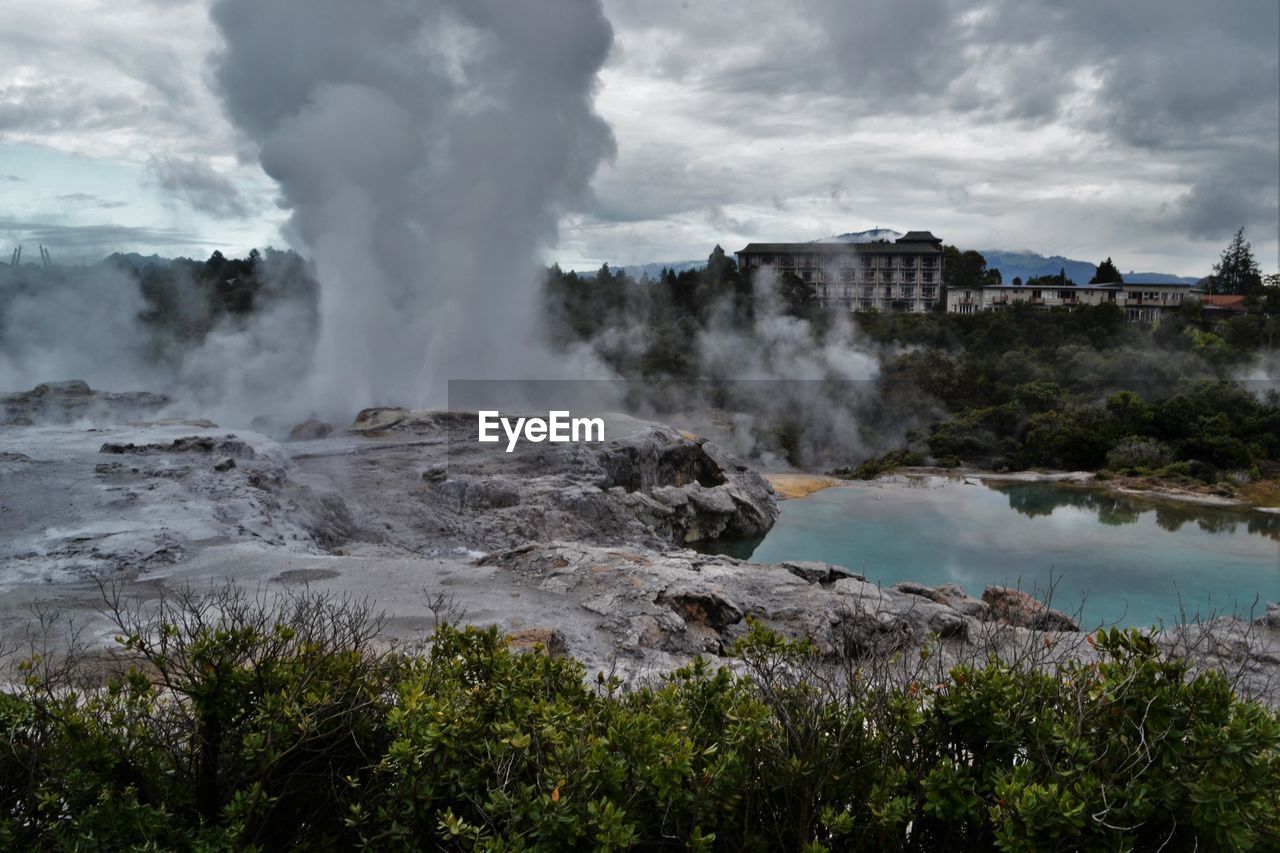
[584, 549]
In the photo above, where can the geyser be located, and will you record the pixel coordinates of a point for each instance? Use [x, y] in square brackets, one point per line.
[427, 151]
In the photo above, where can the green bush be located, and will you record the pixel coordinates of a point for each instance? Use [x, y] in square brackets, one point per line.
[1138, 451]
[281, 726]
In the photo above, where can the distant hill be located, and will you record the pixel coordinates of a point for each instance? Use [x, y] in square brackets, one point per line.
[1027, 265]
[1160, 278]
[654, 270]
[869, 236]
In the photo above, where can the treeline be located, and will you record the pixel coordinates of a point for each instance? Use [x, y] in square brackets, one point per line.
[1086, 390]
[662, 317]
[186, 299]
[237, 724]
[182, 299]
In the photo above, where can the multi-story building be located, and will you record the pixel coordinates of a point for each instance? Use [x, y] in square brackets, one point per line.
[1141, 302]
[905, 275]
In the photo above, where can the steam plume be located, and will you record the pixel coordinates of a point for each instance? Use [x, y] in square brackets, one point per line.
[427, 151]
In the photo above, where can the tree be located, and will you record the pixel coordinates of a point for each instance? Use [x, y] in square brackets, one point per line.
[1107, 274]
[966, 269]
[1236, 272]
[720, 267]
[799, 295]
[1051, 281]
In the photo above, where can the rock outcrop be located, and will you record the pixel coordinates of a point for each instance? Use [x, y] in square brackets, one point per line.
[659, 607]
[646, 485]
[1015, 607]
[681, 602]
[310, 430]
[73, 401]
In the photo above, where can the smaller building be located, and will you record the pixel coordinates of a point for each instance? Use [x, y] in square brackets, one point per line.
[1141, 302]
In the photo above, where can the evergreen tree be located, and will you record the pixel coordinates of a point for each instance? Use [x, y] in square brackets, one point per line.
[1107, 274]
[1236, 272]
[720, 267]
[966, 269]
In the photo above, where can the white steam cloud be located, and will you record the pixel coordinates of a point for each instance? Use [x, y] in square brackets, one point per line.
[78, 325]
[427, 151]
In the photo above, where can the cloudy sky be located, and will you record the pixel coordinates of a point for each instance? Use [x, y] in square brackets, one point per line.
[1147, 130]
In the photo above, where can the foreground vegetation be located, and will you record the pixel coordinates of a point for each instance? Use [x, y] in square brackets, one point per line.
[237, 723]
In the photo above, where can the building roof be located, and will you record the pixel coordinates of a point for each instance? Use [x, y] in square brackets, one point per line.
[1011, 285]
[1109, 286]
[1224, 302]
[898, 248]
[919, 237]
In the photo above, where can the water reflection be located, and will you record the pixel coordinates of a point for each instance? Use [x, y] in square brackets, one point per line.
[1035, 500]
[1133, 560]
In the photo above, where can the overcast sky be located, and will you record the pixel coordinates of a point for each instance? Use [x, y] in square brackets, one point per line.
[1147, 130]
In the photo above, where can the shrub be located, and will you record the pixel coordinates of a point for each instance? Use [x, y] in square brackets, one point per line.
[324, 743]
[1138, 452]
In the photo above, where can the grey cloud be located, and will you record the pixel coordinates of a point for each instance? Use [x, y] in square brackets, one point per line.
[128, 76]
[89, 200]
[1219, 202]
[1189, 87]
[57, 104]
[86, 240]
[12, 179]
[196, 184]
[1160, 64]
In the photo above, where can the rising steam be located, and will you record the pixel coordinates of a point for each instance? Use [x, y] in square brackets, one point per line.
[427, 151]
